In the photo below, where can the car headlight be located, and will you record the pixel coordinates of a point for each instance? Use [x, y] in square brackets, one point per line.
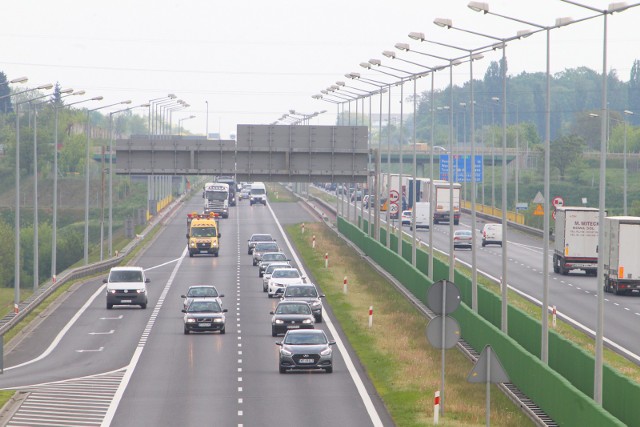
[192, 244]
[307, 321]
[191, 320]
[279, 322]
[285, 352]
[141, 291]
[218, 320]
[326, 352]
[112, 291]
[215, 244]
[316, 304]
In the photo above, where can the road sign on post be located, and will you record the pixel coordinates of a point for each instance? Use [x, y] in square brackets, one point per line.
[394, 196]
[558, 202]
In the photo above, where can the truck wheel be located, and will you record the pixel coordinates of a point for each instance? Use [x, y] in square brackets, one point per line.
[562, 267]
[556, 268]
[456, 222]
[190, 254]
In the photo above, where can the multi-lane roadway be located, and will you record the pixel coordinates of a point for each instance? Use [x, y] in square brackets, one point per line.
[86, 365]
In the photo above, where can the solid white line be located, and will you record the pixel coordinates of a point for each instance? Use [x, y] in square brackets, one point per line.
[364, 395]
[62, 333]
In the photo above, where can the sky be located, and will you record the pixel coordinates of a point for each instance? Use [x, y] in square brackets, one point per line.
[251, 61]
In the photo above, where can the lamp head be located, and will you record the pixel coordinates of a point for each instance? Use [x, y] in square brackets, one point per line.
[524, 33]
[402, 46]
[45, 86]
[352, 75]
[561, 22]
[78, 92]
[334, 87]
[627, 112]
[325, 92]
[389, 54]
[19, 80]
[416, 36]
[477, 6]
[375, 61]
[67, 90]
[340, 83]
[97, 98]
[365, 65]
[617, 7]
[144, 105]
[476, 56]
[456, 62]
[171, 96]
[443, 22]
[128, 101]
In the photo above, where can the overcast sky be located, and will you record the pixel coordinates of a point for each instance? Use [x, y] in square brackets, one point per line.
[254, 60]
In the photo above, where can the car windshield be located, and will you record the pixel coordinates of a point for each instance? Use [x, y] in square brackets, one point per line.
[463, 233]
[274, 257]
[305, 339]
[202, 292]
[204, 306]
[288, 274]
[216, 195]
[125, 276]
[301, 291]
[263, 247]
[261, 238]
[273, 266]
[203, 231]
[293, 309]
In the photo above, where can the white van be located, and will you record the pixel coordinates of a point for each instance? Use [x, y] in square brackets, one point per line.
[258, 193]
[492, 234]
[126, 286]
[423, 215]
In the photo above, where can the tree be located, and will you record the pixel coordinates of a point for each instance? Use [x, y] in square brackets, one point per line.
[566, 151]
[56, 97]
[7, 242]
[633, 91]
[5, 103]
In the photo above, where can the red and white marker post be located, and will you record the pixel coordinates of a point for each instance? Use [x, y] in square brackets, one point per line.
[436, 407]
[313, 242]
[553, 316]
[302, 228]
[370, 316]
[344, 285]
[326, 260]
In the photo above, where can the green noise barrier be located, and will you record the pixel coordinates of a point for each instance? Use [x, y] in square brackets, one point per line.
[562, 388]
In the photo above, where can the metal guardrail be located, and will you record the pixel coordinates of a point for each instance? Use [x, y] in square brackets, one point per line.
[44, 291]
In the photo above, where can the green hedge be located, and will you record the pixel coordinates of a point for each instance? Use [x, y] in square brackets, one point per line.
[562, 388]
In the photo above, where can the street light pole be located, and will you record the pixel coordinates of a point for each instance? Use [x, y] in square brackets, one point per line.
[624, 191]
[86, 180]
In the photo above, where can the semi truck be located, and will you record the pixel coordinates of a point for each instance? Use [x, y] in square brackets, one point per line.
[233, 187]
[438, 193]
[621, 254]
[576, 240]
[216, 198]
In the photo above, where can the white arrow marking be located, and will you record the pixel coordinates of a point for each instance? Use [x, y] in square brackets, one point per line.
[88, 351]
[102, 333]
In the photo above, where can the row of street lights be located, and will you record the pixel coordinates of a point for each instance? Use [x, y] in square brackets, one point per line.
[501, 43]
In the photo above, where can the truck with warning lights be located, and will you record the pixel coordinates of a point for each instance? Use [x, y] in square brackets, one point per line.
[203, 234]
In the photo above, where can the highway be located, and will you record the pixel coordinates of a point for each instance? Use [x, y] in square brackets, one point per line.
[575, 295]
[88, 365]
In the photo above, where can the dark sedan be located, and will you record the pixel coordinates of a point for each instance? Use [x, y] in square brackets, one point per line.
[306, 349]
[204, 314]
[255, 238]
[291, 315]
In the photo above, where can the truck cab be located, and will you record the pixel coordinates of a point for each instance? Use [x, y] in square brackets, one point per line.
[203, 234]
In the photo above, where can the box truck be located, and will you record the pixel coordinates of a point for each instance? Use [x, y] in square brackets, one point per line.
[621, 254]
[576, 240]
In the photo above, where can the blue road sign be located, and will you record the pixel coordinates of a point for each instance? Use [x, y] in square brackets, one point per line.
[461, 167]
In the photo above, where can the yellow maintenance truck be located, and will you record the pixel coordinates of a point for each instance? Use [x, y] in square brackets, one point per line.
[203, 234]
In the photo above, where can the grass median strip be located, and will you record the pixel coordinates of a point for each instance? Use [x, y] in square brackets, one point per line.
[404, 368]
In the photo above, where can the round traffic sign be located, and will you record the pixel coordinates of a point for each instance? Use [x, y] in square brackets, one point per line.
[393, 208]
[394, 196]
[558, 202]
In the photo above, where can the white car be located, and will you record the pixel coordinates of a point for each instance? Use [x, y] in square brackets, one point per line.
[267, 273]
[281, 278]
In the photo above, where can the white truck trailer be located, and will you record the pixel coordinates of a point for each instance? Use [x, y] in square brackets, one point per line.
[621, 254]
[576, 240]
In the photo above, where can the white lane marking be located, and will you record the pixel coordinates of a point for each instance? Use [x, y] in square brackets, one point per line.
[364, 395]
[112, 318]
[90, 351]
[62, 333]
[165, 263]
[106, 422]
[102, 333]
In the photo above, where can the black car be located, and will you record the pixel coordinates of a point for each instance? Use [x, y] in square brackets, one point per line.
[291, 315]
[255, 238]
[204, 314]
[306, 349]
[306, 292]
